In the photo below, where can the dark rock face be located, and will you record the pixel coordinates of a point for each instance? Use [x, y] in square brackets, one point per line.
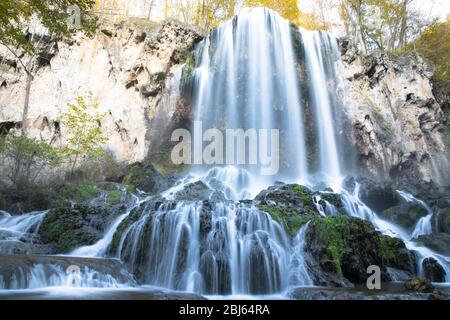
[433, 270]
[443, 220]
[405, 215]
[69, 228]
[439, 242]
[377, 197]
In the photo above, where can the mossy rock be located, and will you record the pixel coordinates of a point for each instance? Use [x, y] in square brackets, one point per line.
[114, 196]
[287, 217]
[132, 217]
[395, 254]
[290, 197]
[44, 197]
[406, 215]
[66, 227]
[344, 246]
[145, 177]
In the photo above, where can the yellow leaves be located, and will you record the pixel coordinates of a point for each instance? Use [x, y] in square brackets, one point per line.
[289, 10]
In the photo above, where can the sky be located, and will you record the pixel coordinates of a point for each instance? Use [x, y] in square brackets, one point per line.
[440, 8]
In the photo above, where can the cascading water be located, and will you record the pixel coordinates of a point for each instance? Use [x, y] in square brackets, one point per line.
[256, 71]
[423, 226]
[355, 207]
[100, 248]
[246, 79]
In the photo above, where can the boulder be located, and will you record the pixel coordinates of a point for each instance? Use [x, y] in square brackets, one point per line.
[405, 214]
[439, 242]
[419, 285]
[433, 270]
[290, 205]
[72, 227]
[343, 248]
[145, 177]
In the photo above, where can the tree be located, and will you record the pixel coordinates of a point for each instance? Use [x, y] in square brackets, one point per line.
[290, 10]
[19, 21]
[382, 25]
[434, 45]
[24, 159]
[82, 123]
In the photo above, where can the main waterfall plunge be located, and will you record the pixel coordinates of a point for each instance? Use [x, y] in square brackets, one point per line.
[256, 71]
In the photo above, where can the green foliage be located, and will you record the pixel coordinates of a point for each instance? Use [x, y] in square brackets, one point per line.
[114, 196]
[85, 136]
[24, 159]
[189, 66]
[434, 45]
[15, 15]
[308, 203]
[287, 217]
[388, 249]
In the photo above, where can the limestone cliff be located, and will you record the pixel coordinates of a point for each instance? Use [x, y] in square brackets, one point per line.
[398, 126]
[127, 67]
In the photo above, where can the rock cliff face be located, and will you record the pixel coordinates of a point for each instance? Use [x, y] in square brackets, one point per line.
[128, 68]
[398, 126]
[394, 116]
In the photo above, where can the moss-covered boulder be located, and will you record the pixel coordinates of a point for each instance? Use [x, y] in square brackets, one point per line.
[145, 177]
[395, 254]
[290, 205]
[405, 215]
[344, 246]
[71, 227]
[292, 197]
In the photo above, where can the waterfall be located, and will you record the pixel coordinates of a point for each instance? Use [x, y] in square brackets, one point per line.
[251, 74]
[423, 226]
[100, 248]
[222, 248]
[15, 227]
[355, 207]
[298, 265]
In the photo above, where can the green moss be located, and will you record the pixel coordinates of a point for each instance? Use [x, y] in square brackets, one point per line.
[388, 248]
[288, 217]
[62, 227]
[85, 192]
[114, 196]
[189, 66]
[335, 233]
[308, 203]
[134, 177]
